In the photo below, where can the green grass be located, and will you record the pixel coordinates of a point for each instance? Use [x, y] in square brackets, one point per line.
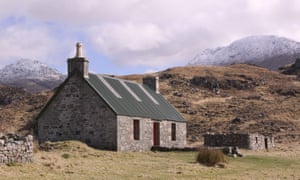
[268, 162]
[87, 163]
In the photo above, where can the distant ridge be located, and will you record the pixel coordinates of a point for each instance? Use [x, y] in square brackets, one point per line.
[269, 52]
[32, 75]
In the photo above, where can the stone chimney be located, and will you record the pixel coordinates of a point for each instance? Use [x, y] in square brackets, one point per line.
[152, 83]
[78, 63]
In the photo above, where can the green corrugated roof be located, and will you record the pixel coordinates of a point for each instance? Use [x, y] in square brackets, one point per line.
[135, 103]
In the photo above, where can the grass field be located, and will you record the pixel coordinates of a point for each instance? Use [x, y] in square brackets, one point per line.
[74, 160]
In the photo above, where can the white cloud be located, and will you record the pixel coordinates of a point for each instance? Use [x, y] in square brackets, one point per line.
[143, 33]
[127, 37]
[18, 41]
[25, 40]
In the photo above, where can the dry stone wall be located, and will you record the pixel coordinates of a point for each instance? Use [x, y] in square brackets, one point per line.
[247, 141]
[14, 148]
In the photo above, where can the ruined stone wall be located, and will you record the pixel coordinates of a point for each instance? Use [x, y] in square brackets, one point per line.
[16, 149]
[77, 113]
[247, 141]
[126, 141]
[257, 141]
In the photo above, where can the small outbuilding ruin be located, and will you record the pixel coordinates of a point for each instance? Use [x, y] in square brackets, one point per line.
[252, 141]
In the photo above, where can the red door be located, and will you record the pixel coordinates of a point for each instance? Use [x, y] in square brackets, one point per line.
[156, 134]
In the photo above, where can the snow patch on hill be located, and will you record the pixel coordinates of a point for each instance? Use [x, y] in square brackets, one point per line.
[267, 51]
[29, 69]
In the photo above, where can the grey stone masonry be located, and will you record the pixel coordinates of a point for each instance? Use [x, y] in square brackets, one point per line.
[126, 141]
[79, 63]
[247, 141]
[14, 148]
[77, 113]
[165, 134]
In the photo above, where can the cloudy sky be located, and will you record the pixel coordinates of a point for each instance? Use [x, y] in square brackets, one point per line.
[135, 36]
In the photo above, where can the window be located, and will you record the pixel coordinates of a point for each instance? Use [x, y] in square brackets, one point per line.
[136, 129]
[173, 131]
[256, 140]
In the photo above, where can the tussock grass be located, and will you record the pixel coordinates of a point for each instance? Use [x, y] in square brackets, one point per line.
[211, 157]
[66, 155]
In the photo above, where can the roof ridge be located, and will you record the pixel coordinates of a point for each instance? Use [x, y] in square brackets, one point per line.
[116, 78]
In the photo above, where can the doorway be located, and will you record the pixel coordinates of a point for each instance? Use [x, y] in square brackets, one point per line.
[266, 143]
[156, 134]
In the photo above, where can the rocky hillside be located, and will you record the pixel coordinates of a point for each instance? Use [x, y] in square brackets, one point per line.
[270, 52]
[237, 98]
[291, 69]
[31, 75]
[18, 109]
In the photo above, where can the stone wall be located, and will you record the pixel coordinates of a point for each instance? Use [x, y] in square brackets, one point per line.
[165, 135]
[258, 141]
[126, 141]
[16, 149]
[77, 113]
[246, 141]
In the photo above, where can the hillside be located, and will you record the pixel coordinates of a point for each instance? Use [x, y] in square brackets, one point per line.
[291, 69]
[18, 108]
[237, 98]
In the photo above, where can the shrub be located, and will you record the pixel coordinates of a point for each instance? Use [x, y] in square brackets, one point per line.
[210, 157]
[66, 156]
[11, 164]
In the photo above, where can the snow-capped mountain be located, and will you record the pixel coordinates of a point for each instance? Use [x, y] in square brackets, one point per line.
[29, 69]
[32, 75]
[267, 51]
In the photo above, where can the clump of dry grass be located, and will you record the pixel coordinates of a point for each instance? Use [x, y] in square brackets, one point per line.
[67, 146]
[211, 157]
[66, 156]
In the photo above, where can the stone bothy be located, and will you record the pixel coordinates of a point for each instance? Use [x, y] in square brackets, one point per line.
[110, 113]
[15, 148]
[253, 141]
